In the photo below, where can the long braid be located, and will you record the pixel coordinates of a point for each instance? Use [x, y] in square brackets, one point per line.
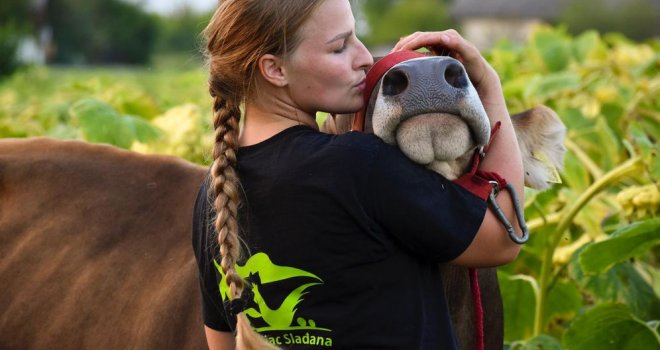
[225, 185]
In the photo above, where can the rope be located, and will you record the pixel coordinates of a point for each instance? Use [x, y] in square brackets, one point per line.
[478, 309]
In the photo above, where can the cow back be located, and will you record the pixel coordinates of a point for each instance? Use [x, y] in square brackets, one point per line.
[95, 248]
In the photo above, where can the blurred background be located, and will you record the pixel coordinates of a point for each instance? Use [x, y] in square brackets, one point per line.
[146, 31]
[130, 73]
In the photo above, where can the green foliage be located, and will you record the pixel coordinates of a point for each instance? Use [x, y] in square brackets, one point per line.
[129, 108]
[594, 237]
[519, 297]
[409, 16]
[610, 326]
[9, 36]
[14, 25]
[541, 342]
[626, 243]
[100, 123]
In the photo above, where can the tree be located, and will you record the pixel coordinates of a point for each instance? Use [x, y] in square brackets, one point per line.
[108, 31]
[391, 19]
[636, 19]
[14, 24]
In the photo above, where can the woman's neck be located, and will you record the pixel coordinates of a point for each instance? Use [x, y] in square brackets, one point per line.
[260, 124]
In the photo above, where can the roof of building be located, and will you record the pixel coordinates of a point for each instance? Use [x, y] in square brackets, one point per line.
[546, 9]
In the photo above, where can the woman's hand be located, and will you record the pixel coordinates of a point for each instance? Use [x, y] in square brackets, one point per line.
[449, 42]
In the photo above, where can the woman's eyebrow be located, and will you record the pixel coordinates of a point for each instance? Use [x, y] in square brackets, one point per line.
[340, 36]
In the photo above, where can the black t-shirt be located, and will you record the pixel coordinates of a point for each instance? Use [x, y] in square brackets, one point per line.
[344, 235]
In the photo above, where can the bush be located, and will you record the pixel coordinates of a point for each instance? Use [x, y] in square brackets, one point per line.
[587, 278]
[409, 16]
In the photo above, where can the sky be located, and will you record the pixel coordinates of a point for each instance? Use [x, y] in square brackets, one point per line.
[167, 6]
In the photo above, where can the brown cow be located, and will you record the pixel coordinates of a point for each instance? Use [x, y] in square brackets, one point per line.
[95, 251]
[95, 248]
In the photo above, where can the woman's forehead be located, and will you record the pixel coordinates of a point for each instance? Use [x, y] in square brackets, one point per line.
[332, 19]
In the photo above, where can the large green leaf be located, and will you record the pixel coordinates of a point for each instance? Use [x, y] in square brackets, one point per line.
[101, 123]
[610, 326]
[142, 130]
[542, 87]
[564, 301]
[647, 148]
[541, 342]
[588, 45]
[622, 283]
[609, 144]
[519, 301]
[626, 243]
[553, 48]
[575, 174]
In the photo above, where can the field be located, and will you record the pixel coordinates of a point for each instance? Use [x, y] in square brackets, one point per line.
[588, 277]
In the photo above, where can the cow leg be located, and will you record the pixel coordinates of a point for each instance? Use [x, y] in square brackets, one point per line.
[456, 282]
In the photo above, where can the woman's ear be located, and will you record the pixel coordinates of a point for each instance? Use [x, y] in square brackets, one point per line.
[272, 70]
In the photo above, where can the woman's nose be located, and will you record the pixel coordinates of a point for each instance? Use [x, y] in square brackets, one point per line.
[364, 60]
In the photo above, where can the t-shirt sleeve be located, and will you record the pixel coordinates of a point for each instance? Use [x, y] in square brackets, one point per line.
[435, 218]
[213, 312]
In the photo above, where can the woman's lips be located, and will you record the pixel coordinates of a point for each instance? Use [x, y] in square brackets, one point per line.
[361, 85]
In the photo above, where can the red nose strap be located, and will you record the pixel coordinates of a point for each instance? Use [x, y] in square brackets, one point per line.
[373, 76]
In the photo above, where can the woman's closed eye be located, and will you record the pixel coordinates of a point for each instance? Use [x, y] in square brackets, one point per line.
[341, 48]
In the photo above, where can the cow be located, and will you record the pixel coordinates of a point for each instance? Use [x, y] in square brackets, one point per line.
[95, 251]
[427, 106]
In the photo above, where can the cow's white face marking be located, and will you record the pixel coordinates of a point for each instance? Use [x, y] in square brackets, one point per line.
[456, 125]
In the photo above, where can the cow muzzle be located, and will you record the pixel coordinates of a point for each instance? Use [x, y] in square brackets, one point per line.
[430, 101]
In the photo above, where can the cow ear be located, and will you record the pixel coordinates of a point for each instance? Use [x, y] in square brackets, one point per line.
[271, 68]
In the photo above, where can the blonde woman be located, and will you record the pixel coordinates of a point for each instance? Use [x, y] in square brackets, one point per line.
[312, 241]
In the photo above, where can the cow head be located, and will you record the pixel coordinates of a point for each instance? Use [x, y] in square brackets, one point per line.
[429, 109]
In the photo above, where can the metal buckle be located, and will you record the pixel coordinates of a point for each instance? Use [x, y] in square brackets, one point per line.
[503, 219]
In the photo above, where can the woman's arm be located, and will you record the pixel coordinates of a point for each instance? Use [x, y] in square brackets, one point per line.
[219, 340]
[492, 245]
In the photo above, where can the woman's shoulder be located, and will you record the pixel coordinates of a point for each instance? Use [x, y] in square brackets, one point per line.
[357, 142]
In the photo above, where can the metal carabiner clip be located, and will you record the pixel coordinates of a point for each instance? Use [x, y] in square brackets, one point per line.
[503, 219]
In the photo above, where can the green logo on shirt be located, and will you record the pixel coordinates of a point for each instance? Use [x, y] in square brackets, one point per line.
[280, 318]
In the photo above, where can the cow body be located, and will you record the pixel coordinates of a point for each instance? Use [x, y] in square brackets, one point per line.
[95, 252]
[95, 248]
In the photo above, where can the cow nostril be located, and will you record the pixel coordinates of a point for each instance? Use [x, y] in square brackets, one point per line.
[455, 76]
[394, 82]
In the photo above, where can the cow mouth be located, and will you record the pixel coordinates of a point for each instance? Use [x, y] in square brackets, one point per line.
[433, 137]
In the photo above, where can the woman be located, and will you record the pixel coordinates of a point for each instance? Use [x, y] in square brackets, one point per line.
[328, 241]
